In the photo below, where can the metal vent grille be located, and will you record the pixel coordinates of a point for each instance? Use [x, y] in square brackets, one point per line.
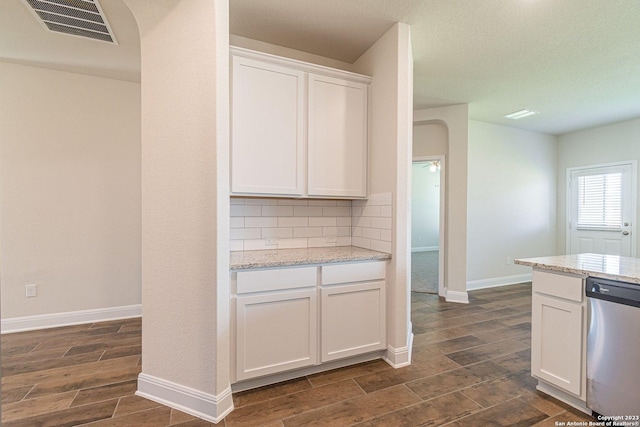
[83, 18]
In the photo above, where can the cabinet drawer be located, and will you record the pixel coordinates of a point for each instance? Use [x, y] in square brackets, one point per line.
[558, 285]
[354, 272]
[276, 279]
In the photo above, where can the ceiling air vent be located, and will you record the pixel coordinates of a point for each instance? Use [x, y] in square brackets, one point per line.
[83, 18]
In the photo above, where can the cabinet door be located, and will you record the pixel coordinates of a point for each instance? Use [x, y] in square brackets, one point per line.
[267, 129]
[275, 332]
[352, 320]
[337, 137]
[556, 342]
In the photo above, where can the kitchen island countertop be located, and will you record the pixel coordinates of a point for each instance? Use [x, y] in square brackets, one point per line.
[283, 257]
[596, 265]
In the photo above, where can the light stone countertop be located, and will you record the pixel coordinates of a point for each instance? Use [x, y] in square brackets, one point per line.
[604, 266]
[241, 260]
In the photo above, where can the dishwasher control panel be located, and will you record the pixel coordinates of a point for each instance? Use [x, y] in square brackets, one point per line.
[612, 290]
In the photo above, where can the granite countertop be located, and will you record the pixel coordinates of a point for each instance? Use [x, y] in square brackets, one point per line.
[282, 257]
[604, 266]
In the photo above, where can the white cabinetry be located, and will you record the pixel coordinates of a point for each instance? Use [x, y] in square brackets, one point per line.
[297, 129]
[337, 137]
[558, 329]
[276, 330]
[353, 309]
[279, 324]
[267, 154]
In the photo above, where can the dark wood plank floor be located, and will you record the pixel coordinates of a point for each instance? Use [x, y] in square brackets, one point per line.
[471, 367]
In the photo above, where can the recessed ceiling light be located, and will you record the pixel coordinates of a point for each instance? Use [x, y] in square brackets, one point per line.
[520, 114]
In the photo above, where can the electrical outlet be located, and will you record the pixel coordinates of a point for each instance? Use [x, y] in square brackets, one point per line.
[271, 241]
[508, 260]
[31, 290]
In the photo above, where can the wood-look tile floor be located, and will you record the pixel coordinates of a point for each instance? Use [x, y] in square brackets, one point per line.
[471, 367]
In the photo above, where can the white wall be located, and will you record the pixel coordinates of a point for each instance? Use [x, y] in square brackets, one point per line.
[430, 139]
[425, 208]
[390, 62]
[70, 191]
[511, 201]
[604, 144]
[185, 204]
[286, 52]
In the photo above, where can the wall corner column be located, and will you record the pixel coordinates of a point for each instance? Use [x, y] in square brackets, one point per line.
[185, 198]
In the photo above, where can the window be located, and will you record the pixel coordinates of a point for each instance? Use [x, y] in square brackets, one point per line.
[600, 201]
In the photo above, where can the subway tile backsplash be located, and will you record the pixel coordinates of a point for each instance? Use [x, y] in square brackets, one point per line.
[258, 223]
[371, 222]
[288, 223]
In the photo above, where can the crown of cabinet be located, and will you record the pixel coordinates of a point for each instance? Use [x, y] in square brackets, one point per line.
[295, 64]
[297, 129]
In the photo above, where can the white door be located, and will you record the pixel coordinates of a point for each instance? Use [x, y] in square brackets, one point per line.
[353, 319]
[276, 332]
[267, 129]
[337, 141]
[556, 342]
[601, 210]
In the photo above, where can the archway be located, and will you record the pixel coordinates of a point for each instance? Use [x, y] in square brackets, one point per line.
[455, 119]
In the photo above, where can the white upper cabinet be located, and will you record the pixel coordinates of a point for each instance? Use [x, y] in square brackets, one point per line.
[337, 137]
[297, 129]
[267, 153]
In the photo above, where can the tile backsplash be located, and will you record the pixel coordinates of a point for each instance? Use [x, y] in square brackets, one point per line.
[372, 222]
[265, 223]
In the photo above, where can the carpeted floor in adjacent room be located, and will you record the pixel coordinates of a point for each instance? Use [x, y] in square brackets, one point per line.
[424, 271]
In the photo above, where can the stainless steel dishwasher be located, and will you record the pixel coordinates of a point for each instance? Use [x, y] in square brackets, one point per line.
[613, 347]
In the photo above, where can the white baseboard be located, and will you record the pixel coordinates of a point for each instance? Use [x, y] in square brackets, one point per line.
[399, 357]
[54, 320]
[425, 249]
[498, 281]
[456, 296]
[206, 406]
[410, 344]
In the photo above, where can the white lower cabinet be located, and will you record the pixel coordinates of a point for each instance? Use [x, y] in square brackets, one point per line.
[558, 322]
[353, 320]
[279, 324]
[275, 332]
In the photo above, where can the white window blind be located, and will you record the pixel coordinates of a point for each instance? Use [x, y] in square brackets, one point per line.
[600, 201]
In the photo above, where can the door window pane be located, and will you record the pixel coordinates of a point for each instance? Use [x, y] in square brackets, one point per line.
[600, 201]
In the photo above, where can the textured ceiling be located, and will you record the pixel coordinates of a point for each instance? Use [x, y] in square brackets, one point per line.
[577, 62]
[338, 29]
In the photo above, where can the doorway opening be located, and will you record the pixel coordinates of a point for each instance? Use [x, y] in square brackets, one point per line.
[427, 237]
